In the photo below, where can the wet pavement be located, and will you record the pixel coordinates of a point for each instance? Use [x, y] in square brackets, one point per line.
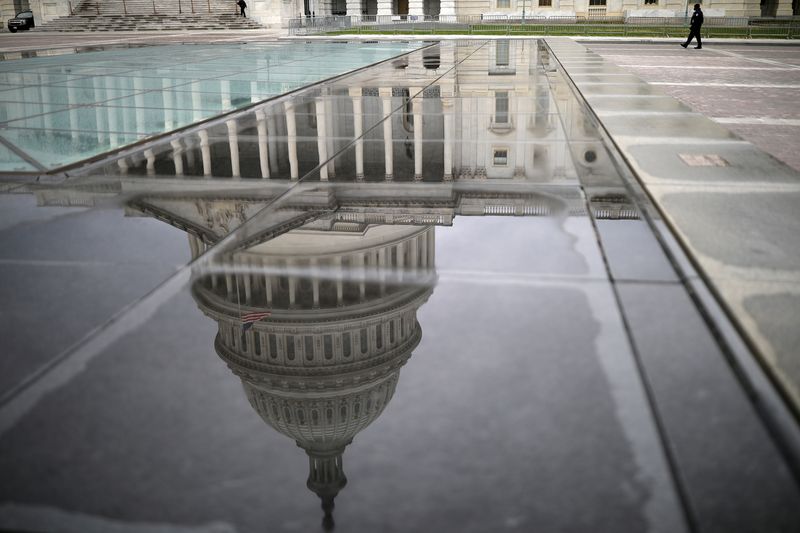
[428, 292]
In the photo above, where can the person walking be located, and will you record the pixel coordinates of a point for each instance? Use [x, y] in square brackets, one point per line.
[694, 27]
[243, 5]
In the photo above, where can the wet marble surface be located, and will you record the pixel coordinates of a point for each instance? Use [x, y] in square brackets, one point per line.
[424, 292]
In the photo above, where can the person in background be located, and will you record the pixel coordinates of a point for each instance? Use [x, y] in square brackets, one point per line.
[694, 27]
[242, 6]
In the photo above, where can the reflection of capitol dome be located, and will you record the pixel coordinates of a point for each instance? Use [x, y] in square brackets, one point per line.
[325, 363]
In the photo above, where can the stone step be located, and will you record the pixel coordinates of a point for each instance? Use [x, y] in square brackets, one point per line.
[137, 22]
[106, 7]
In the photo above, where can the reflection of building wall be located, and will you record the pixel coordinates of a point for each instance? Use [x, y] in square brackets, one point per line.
[456, 128]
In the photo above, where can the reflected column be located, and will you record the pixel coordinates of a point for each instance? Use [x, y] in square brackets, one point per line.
[358, 131]
[263, 147]
[169, 113]
[521, 125]
[291, 140]
[322, 138]
[138, 98]
[416, 104]
[272, 139]
[73, 112]
[98, 111]
[177, 156]
[388, 150]
[205, 150]
[233, 145]
[447, 110]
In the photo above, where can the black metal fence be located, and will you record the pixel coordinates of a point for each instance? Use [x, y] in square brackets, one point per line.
[743, 27]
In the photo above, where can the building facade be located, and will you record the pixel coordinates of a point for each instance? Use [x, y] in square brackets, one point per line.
[277, 13]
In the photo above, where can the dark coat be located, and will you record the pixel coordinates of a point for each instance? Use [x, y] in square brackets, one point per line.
[697, 20]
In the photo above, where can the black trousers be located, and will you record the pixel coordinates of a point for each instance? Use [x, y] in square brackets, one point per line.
[694, 33]
[242, 8]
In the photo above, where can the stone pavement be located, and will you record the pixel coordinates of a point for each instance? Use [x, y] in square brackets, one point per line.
[732, 207]
[752, 90]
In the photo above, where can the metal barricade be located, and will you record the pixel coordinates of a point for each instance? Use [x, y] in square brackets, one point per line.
[515, 25]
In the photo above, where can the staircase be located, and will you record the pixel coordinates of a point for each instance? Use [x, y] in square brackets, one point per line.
[152, 15]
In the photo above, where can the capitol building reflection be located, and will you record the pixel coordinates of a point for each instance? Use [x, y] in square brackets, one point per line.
[325, 363]
[315, 283]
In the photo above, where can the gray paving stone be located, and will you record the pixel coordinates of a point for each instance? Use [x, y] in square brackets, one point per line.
[688, 126]
[745, 164]
[755, 230]
[626, 104]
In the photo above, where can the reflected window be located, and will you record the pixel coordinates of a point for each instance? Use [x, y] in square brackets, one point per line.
[273, 346]
[290, 347]
[502, 53]
[598, 2]
[408, 115]
[257, 343]
[503, 4]
[501, 107]
[363, 340]
[346, 348]
[379, 336]
[500, 157]
[309, 347]
[328, 346]
[392, 325]
[545, 3]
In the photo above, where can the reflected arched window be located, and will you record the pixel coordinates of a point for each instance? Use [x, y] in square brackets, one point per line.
[379, 336]
[273, 346]
[346, 348]
[328, 345]
[290, 347]
[309, 347]
[363, 340]
[257, 343]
